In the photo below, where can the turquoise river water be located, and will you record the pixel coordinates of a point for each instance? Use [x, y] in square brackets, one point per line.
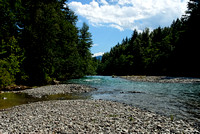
[171, 99]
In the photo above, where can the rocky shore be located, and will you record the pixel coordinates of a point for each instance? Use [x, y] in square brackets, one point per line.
[86, 116]
[57, 89]
[161, 79]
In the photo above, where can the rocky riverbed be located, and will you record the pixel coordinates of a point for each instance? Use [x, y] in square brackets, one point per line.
[86, 116]
[161, 79]
[57, 89]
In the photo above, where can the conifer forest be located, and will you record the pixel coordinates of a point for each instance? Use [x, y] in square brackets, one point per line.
[40, 42]
[171, 51]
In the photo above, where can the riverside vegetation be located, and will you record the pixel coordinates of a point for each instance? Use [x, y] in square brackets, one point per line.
[171, 51]
[39, 43]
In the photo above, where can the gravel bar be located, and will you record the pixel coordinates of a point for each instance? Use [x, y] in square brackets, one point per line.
[86, 116]
[57, 89]
[161, 79]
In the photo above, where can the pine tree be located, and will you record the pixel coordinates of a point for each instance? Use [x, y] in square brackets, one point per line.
[85, 42]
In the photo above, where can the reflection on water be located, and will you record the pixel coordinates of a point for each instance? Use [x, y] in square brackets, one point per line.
[12, 99]
[177, 99]
[8, 100]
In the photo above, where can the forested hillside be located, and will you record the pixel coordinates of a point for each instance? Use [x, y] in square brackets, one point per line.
[39, 42]
[170, 50]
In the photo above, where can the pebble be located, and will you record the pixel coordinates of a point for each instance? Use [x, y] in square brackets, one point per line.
[57, 89]
[86, 116]
[162, 79]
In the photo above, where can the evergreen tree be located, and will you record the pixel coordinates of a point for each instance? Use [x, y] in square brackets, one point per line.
[85, 42]
[40, 38]
[164, 51]
[11, 55]
[187, 49]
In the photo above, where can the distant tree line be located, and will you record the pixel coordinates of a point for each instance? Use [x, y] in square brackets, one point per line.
[172, 50]
[39, 42]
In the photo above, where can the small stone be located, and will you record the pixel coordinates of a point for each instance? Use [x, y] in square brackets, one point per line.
[159, 127]
[90, 116]
[124, 130]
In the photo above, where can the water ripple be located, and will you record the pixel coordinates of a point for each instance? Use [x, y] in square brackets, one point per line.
[178, 99]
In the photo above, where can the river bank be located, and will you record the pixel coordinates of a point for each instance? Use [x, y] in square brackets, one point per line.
[86, 116]
[161, 79]
[45, 93]
[57, 89]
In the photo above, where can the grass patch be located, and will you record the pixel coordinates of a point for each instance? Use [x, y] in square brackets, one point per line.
[172, 117]
[130, 118]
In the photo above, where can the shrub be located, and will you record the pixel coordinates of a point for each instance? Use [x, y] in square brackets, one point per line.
[11, 57]
[6, 78]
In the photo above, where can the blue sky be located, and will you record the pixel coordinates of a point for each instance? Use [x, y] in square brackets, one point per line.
[112, 20]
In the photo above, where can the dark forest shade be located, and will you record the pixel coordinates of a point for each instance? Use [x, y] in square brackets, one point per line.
[39, 42]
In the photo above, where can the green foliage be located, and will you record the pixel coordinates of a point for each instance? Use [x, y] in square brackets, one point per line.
[187, 49]
[85, 42]
[141, 54]
[40, 42]
[164, 51]
[6, 78]
[131, 118]
[172, 117]
[11, 59]
[60, 49]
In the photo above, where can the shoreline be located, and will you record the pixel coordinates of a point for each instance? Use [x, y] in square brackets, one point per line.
[87, 116]
[10, 99]
[57, 89]
[161, 79]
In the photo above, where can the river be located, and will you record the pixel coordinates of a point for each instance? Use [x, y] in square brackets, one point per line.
[179, 100]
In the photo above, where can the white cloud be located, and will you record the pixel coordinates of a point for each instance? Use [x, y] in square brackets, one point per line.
[103, 2]
[130, 14]
[95, 45]
[116, 26]
[98, 54]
